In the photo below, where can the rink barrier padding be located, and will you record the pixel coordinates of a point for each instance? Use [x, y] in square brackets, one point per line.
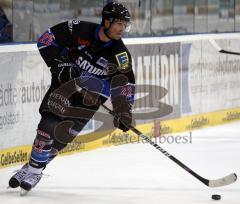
[202, 90]
[20, 155]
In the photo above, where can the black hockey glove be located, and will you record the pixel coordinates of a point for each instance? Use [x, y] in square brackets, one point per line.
[122, 109]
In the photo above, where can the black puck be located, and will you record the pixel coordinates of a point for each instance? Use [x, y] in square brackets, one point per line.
[216, 197]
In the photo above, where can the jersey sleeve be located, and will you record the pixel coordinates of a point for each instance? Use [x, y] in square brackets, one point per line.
[54, 44]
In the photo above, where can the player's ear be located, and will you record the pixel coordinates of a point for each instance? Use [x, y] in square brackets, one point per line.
[106, 23]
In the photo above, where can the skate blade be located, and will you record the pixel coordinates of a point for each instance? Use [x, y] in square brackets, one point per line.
[23, 192]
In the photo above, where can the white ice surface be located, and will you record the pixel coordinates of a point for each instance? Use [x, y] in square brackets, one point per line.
[137, 173]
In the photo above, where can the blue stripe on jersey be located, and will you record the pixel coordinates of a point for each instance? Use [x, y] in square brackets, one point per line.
[94, 84]
[102, 86]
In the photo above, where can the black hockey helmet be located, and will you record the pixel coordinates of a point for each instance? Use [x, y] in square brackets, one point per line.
[113, 11]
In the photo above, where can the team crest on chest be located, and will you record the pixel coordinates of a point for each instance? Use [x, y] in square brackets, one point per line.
[122, 59]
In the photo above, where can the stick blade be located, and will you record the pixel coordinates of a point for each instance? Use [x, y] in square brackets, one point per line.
[231, 178]
[215, 45]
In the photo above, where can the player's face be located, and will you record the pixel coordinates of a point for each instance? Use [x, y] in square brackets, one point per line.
[117, 29]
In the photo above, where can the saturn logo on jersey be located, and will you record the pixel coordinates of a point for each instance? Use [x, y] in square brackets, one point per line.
[86, 65]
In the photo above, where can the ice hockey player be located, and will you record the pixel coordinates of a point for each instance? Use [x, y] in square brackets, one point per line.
[95, 55]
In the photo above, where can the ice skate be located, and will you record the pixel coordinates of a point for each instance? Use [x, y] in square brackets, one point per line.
[17, 178]
[29, 182]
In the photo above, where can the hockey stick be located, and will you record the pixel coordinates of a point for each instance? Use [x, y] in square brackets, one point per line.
[231, 178]
[219, 49]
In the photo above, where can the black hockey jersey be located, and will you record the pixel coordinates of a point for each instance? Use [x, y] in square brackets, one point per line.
[78, 42]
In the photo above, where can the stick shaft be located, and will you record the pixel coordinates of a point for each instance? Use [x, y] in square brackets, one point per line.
[156, 146]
